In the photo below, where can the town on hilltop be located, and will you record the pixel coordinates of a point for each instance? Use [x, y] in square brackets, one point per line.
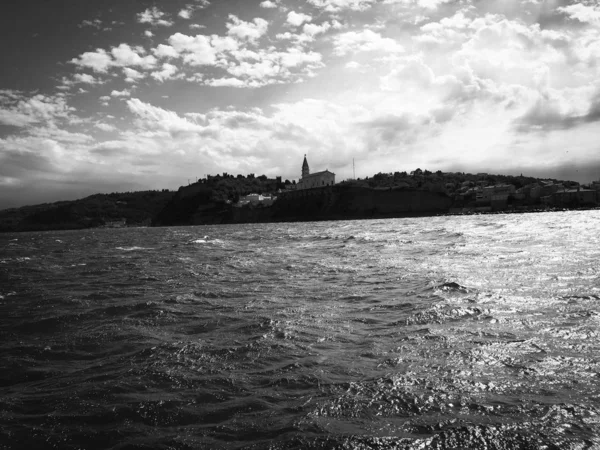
[480, 192]
[227, 198]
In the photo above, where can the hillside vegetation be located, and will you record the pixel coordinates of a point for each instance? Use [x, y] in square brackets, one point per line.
[129, 208]
[211, 200]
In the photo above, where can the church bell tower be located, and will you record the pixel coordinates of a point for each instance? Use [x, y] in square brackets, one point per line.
[305, 169]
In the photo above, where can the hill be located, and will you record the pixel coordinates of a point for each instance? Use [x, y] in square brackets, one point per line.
[215, 199]
[116, 209]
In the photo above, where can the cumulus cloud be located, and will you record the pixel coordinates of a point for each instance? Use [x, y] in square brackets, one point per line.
[19, 110]
[250, 31]
[363, 41]
[269, 4]
[121, 56]
[581, 12]
[132, 75]
[430, 83]
[256, 69]
[154, 16]
[196, 50]
[125, 56]
[427, 4]
[338, 5]
[83, 78]
[185, 13]
[99, 60]
[297, 19]
[165, 51]
[123, 93]
[167, 72]
[309, 32]
[153, 117]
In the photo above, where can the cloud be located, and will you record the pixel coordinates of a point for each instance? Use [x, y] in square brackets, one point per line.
[185, 13]
[339, 5]
[20, 157]
[132, 75]
[256, 69]
[155, 118]
[167, 72]
[125, 56]
[561, 110]
[123, 93]
[19, 110]
[227, 82]
[582, 13]
[309, 32]
[427, 4]
[85, 78]
[196, 50]
[165, 51]
[148, 33]
[250, 31]
[364, 41]
[297, 19]
[105, 127]
[195, 26]
[78, 78]
[96, 23]
[269, 4]
[312, 29]
[154, 16]
[121, 56]
[99, 60]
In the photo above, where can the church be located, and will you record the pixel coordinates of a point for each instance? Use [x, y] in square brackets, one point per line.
[314, 180]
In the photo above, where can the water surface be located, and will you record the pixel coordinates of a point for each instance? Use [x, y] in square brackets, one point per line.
[446, 332]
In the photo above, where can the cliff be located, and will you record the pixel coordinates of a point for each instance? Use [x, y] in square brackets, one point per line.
[193, 206]
[347, 202]
[354, 202]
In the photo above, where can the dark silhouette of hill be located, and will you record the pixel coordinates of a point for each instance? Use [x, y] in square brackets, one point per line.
[213, 200]
[127, 208]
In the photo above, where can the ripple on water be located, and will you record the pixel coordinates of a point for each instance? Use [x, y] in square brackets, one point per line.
[463, 332]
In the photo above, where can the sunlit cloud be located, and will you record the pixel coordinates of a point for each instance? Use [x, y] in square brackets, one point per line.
[394, 84]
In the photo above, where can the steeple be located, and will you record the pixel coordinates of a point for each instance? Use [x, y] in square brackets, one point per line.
[305, 169]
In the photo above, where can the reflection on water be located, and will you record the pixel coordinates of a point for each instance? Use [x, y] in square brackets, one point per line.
[447, 332]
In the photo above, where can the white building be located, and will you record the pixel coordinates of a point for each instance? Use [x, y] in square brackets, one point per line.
[256, 199]
[314, 180]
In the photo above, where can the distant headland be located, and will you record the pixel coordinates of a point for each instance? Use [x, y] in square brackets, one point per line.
[225, 198]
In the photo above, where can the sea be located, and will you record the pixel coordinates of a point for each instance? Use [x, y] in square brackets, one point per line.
[449, 332]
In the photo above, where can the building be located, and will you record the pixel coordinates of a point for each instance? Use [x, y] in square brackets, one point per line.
[499, 192]
[314, 180]
[256, 199]
[574, 197]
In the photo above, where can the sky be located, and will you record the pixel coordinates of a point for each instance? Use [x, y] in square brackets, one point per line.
[123, 95]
